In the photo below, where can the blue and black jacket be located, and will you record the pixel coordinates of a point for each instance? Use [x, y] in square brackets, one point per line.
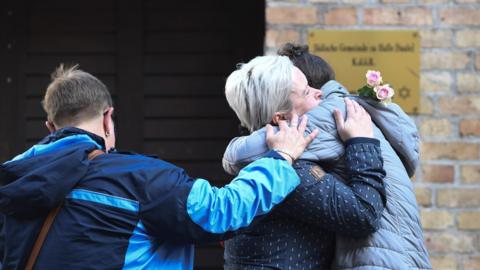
[123, 211]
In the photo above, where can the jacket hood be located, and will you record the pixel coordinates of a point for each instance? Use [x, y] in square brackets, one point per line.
[38, 180]
[397, 127]
[333, 87]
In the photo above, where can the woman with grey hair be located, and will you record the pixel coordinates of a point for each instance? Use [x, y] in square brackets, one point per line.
[398, 241]
[259, 90]
[269, 89]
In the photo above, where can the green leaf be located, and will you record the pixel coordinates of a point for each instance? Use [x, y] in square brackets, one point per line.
[365, 91]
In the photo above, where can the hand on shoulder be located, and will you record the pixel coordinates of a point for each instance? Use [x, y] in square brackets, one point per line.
[290, 141]
[357, 123]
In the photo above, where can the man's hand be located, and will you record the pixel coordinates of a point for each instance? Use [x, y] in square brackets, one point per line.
[290, 141]
[358, 123]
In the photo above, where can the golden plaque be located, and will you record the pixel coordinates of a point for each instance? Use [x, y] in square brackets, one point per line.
[395, 53]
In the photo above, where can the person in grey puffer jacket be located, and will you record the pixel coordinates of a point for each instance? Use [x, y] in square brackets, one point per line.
[398, 244]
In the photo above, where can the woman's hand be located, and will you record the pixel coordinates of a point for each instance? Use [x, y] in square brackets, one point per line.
[358, 123]
[290, 141]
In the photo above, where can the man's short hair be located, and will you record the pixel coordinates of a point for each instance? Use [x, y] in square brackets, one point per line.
[259, 88]
[316, 69]
[74, 96]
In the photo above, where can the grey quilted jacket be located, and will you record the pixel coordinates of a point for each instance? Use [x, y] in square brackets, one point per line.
[398, 244]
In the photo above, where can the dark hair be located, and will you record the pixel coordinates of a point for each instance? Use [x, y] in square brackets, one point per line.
[74, 96]
[317, 70]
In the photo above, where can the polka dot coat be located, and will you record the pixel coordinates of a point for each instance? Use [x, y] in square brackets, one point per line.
[300, 232]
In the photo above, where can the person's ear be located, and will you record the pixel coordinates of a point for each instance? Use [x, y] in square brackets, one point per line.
[277, 116]
[108, 122]
[50, 126]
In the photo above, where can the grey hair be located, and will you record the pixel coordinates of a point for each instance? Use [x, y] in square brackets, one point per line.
[260, 88]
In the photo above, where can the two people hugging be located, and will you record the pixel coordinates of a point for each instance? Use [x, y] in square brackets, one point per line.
[335, 218]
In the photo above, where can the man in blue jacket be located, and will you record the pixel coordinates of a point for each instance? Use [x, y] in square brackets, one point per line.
[121, 210]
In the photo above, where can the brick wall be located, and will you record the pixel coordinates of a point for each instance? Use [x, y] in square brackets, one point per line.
[447, 183]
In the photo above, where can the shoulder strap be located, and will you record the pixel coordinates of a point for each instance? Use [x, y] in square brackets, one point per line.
[48, 223]
[95, 153]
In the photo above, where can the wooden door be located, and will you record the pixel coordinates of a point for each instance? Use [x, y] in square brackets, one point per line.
[165, 63]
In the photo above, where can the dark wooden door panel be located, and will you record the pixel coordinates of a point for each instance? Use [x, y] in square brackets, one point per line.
[45, 64]
[186, 20]
[192, 5]
[73, 20]
[34, 108]
[165, 62]
[69, 43]
[35, 129]
[189, 128]
[188, 42]
[56, 5]
[205, 64]
[184, 85]
[215, 107]
[187, 150]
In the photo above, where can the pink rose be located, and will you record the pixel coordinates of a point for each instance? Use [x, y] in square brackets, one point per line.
[374, 78]
[384, 92]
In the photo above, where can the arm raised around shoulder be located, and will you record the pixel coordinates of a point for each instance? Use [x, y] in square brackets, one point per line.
[243, 150]
[176, 207]
[326, 146]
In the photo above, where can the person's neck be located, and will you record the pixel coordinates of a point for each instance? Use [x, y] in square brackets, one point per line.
[94, 126]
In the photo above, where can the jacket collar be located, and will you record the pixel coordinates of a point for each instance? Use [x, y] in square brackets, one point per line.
[331, 87]
[70, 131]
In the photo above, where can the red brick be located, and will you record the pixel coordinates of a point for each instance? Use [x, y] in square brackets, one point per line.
[341, 16]
[477, 61]
[424, 196]
[458, 197]
[449, 150]
[472, 263]
[469, 220]
[443, 262]
[436, 82]
[470, 128]
[292, 15]
[468, 38]
[468, 82]
[395, 1]
[426, 105]
[438, 173]
[276, 38]
[435, 127]
[470, 174]
[459, 105]
[352, 1]
[322, 1]
[436, 38]
[446, 242]
[397, 16]
[460, 16]
[444, 60]
[433, 1]
[436, 219]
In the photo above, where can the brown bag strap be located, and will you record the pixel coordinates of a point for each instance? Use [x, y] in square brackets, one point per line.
[48, 223]
[95, 153]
